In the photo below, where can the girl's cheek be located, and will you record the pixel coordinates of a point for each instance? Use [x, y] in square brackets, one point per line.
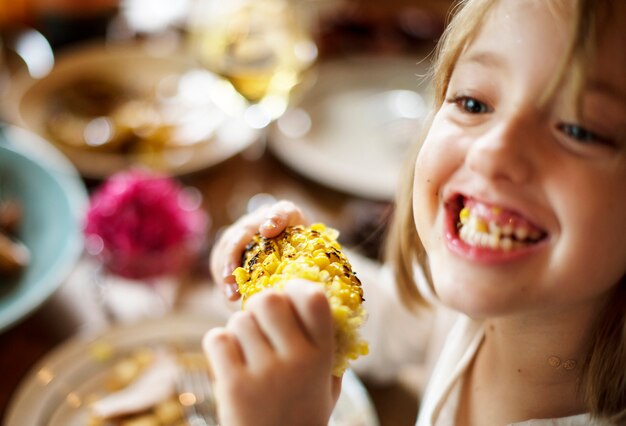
[439, 159]
[444, 149]
[429, 166]
[426, 184]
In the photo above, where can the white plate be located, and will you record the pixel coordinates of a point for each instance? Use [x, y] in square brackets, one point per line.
[222, 134]
[53, 392]
[353, 128]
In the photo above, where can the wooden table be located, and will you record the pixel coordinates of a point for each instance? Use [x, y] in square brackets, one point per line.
[226, 189]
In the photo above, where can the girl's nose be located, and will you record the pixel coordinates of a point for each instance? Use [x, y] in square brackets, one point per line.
[502, 153]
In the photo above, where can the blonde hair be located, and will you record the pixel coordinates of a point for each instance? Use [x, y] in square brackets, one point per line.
[603, 373]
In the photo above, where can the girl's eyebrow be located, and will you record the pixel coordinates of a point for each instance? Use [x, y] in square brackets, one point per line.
[609, 90]
[484, 58]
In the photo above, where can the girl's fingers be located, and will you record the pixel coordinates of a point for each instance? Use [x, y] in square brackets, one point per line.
[270, 221]
[237, 238]
[278, 320]
[255, 346]
[226, 254]
[279, 216]
[223, 351]
[313, 309]
[335, 387]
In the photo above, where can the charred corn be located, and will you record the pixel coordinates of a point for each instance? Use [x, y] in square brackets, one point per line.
[310, 253]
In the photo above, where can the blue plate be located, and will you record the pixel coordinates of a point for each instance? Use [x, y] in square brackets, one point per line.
[53, 199]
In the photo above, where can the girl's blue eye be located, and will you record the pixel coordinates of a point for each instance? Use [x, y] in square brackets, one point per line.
[582, 135]
[472, 106]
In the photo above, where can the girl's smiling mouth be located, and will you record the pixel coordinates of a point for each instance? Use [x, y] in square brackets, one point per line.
[489, 233]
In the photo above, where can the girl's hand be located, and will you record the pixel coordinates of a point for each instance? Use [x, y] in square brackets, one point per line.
[272, 362]
[269, 221]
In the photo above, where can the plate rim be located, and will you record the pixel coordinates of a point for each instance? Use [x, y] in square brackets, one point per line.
[58, 168]
[282, 146]
[28, 389]
[99, 165]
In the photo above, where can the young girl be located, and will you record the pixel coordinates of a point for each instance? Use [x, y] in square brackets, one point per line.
[515, 216]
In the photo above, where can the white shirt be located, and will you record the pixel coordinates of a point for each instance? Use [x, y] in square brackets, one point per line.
[441, 400]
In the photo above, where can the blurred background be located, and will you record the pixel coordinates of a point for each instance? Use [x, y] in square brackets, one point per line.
[314, 84]
[229, 105]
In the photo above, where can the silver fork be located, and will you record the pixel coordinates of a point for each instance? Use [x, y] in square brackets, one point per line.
[196, 396]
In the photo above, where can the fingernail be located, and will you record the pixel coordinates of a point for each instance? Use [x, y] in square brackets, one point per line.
[228, 270]
[231, 291]
[269, 225]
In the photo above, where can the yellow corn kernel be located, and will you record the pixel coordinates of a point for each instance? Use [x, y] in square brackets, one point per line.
[464, 215]
[270, 263]
[321, 261]
[241, 274]
[481, 226]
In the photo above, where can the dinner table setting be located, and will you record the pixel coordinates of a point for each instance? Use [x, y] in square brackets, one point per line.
[133, 132]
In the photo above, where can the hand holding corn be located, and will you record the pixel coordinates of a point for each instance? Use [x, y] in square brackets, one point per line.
[273, 360]
[310, 253]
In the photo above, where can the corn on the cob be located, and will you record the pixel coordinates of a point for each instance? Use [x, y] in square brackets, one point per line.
[311, 253]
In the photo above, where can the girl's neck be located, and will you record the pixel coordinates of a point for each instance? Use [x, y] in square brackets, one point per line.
[531, 365]
[542, 348]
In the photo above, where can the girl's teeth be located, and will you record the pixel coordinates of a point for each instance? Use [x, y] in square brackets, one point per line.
[494, 228]
[494, 241]
[480, 232]
[521, 233]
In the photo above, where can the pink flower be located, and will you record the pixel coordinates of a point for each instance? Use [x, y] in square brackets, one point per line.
[142, 225]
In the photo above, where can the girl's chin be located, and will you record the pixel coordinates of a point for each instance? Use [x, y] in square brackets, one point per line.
[477, 297]
[475, 310]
